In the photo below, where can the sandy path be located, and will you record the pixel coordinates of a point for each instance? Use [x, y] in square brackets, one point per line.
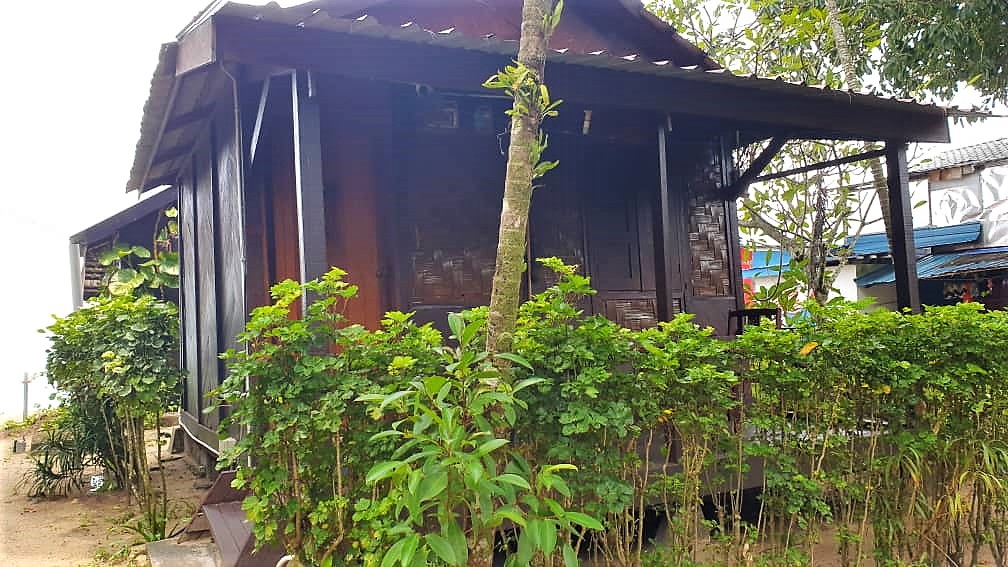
[79, 530]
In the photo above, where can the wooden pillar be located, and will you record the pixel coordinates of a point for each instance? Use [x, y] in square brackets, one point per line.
[308, 178]
[669, 271]
[904, 251]
[732, 217]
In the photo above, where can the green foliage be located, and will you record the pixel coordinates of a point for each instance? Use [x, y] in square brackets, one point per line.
[311, 444]
[393, 447]
[116, 360]
[71, 441]
[531, 99]
[916, 47]
[134, 270]
[812, 213]
[940, 45]
[386, 452]
[453, 479]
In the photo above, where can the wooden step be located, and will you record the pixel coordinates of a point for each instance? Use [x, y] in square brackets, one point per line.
[230, 530]
[221, 515]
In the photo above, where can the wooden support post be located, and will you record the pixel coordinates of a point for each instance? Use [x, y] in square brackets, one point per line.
[904, 251]
[670, 280]
[308, 178]
[260, 117]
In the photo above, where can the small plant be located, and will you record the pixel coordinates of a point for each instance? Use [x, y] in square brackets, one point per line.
[453, 478]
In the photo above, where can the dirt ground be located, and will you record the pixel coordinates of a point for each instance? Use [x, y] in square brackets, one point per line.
[83, 529]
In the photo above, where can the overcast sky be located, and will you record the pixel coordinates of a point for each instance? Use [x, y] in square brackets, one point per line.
[77, 75]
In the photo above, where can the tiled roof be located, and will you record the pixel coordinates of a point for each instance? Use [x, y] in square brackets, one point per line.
[994, 152]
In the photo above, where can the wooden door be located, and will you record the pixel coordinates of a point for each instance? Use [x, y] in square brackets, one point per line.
[620, 186]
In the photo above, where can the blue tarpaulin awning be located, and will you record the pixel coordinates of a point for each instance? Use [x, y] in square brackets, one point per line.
[767, 263]
[948, 265]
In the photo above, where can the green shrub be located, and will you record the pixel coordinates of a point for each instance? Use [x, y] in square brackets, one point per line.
[396, 447]
[116, 362]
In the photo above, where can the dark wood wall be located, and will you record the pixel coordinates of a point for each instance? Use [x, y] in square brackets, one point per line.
[213, 252]
[411, 212]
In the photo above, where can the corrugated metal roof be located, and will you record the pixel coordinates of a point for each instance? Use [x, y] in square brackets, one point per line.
[926, 237]
[994, 152]
[314, 15]
[948, 265]
[155, 110]
[366, 25]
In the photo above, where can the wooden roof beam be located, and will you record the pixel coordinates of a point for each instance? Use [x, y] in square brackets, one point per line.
[191, 117]
[741, 184]
[823, 165]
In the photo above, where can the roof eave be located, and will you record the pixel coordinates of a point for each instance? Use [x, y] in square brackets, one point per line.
[155, 112]
[107, 228]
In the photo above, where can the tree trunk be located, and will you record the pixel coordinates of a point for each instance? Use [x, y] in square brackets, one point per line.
[854, 83]
[517, 186]
[512, 235]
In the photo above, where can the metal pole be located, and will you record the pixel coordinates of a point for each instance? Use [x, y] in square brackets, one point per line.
[26, 380]
[76, 276]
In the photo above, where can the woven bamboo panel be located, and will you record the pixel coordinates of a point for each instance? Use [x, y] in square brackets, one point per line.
[94, 272]
[708, 233]
[454, 206]
[634, 314]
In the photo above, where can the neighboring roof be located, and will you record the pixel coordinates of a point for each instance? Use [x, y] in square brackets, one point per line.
[108, 227]
[328, 16]
[767, 263]
[994, 152]
[948, 265]
[926, 237]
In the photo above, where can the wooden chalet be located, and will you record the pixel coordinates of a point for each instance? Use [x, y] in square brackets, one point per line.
[357, 134]
[136, 225]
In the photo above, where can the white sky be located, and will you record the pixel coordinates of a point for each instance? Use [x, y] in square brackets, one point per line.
[77, 75]
[76, 78]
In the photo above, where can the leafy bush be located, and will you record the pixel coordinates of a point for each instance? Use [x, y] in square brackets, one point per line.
[389, 451]
[117, 359]
[394, 447]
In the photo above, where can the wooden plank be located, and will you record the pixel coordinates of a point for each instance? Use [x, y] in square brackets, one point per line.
[732, 218]
[670, 270]
[904, 251]
[230, 223]
[206, 276]
[283, 250]
[191, 117]
[196, 50]
[824, 114]
[230, 251]
[230, 530]
[735, 252]
[189, 283]
[198, 432]
[308, 180]
[352, 220]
